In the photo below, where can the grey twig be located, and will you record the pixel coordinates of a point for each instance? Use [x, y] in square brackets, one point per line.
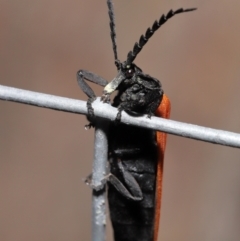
[98, 181]
[106, 111]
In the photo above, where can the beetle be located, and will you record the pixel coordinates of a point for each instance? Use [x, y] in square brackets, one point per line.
[135, 154]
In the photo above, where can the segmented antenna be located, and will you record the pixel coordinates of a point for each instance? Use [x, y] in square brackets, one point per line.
[150, 31]
[113, 32]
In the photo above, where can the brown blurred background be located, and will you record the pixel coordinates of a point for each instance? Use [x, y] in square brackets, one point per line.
[45, 154]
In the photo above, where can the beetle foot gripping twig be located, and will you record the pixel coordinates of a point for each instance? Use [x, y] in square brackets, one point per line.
[150, 114]
[105, 98]
[118, 117]
[89, 126]
[90, 115]
[97, 187]
[89, 107]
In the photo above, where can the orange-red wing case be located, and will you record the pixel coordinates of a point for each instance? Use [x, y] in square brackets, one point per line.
[164, 112]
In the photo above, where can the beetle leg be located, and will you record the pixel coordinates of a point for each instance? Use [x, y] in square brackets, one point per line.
[87, 75]
[123, 190]
[105, 97]
[135, 193]
[88, 179]
[119, 115]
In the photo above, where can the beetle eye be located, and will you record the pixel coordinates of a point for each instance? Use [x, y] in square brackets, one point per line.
[129, 72]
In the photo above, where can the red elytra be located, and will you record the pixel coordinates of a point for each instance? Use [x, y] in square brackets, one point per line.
[161, 137]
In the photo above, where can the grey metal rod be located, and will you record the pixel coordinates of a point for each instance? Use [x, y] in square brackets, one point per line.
[106, 111]
[98, 176]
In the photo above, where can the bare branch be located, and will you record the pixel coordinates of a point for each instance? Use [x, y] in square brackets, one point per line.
[106, 111]
[99, 174]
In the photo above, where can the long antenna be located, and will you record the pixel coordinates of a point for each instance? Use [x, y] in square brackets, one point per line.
[113, 31]
[150, 31]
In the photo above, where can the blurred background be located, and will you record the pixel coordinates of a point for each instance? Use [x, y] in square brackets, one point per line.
[45, 154]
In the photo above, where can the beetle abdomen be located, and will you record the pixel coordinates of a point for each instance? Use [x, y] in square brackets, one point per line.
[137, 149]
